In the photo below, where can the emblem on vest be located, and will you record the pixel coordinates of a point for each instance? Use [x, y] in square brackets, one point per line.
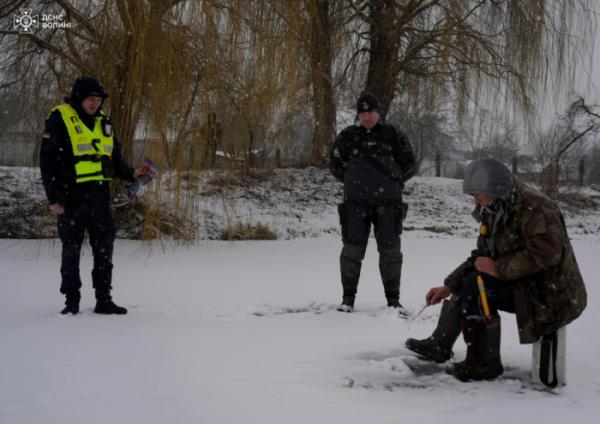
[106, 125]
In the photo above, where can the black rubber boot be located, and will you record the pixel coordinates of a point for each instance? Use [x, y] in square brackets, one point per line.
[483, 351]
[72, 302]
[105, 305]
[347, 304]
[350, 265]
[393, 302]
[393, 298]
[390, 268]
[438, 346]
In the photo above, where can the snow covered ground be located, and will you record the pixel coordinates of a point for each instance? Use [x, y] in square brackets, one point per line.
[245, 332]
[294, 203]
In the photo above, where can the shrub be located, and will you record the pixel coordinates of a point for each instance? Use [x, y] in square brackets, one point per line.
[241, 231]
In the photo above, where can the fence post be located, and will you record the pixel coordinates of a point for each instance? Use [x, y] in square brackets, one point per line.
[581, 171]
[438, 165]
[515, 165]
[277, 158]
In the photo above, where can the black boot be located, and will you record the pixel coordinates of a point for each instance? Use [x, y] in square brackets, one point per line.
[347, 304]
[393, 303]
[350, 265]
[105, 305]
[72, 302]
[390, 268]
[483, 351]
[438, 346]
[393, 299]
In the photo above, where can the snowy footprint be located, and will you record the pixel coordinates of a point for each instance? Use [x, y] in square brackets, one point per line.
[267, 310]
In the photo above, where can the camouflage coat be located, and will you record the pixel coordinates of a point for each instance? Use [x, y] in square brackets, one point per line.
[533, 253]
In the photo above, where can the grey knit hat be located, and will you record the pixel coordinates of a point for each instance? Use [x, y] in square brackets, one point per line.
[488, 176]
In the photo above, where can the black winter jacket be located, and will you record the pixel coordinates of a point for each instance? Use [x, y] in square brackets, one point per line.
[373, 164]
[57, 163]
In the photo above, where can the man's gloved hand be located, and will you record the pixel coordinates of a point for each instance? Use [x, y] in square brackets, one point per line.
[437, 294]
[143, 175]
[486, 265]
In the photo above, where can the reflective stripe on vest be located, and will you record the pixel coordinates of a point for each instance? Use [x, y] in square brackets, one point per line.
[89, 147]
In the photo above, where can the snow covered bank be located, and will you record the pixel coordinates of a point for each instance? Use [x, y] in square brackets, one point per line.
[245, 332]
[294, 203]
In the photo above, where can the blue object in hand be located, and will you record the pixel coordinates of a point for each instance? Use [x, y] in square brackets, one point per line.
[151, 171]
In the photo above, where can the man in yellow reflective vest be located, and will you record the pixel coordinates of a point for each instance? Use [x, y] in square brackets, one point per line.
[79, 156]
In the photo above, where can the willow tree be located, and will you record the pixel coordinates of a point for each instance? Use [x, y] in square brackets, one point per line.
[252, 74]
[433, 51]
[314, 33]
[320, 52]
[135, 47]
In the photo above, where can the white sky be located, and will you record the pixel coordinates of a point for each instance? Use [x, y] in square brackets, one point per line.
[591, 92]
[595, 77]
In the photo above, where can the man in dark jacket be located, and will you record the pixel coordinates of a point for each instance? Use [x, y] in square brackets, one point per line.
[526, 265]
[373, 160]
[79, 156]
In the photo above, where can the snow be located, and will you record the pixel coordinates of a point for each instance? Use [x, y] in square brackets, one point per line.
[246, 332]
[294, 203]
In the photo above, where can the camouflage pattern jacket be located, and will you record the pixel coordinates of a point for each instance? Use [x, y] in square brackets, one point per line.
[533, 253]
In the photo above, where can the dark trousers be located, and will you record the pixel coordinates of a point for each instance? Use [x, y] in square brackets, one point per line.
[500, 295]
[89, 211]
[356, 221]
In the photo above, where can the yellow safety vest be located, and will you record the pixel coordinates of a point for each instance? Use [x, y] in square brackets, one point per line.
[89, 147]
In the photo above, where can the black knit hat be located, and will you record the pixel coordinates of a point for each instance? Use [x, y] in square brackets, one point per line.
[367, 102]
[85, 87]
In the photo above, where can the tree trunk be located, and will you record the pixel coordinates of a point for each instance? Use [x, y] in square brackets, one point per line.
[383, 61]
[551, 179]
[126, 99]
[323, 96]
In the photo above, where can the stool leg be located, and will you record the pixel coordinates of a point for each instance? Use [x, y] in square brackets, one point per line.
[548, 359]
[561, 356]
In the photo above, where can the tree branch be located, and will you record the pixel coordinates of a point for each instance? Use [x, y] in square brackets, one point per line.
[82, 67]
[588, 110]
[84, 22]
[577, 137]
[11, 8]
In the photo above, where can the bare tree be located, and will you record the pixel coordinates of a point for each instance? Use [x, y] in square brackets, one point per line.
[500, 144]
[568, 133]
[593, 174]
[429, 136]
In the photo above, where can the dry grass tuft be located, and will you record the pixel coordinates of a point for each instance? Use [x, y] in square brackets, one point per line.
[241, 231]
